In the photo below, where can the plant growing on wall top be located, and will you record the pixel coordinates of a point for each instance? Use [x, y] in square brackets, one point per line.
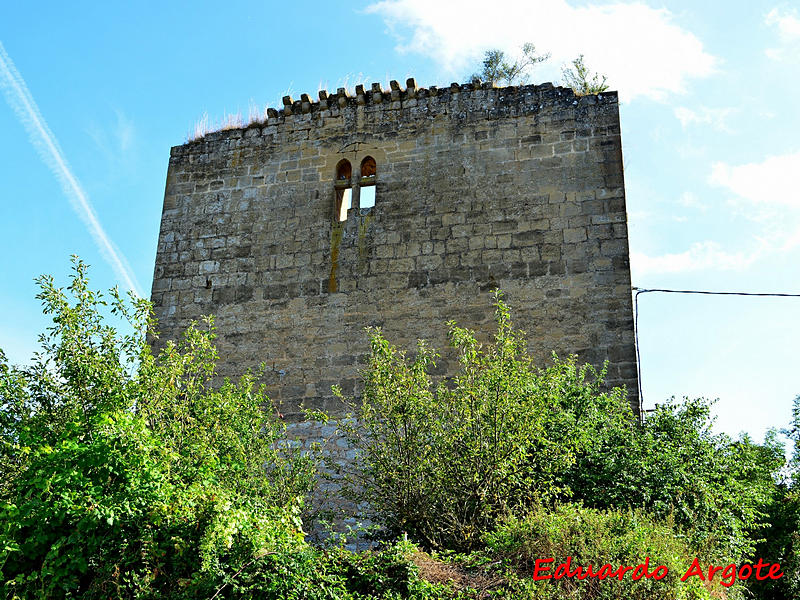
[499, 68]
[581, 79]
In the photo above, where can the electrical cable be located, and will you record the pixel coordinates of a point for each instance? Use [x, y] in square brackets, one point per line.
[667, 291]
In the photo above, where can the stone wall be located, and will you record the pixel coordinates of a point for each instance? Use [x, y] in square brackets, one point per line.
[477, 188]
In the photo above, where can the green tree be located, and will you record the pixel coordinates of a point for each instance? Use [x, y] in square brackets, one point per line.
[674, 466]
[581, 80]
[445, 462]
[498, 68]
[780, 534]
[132, 475]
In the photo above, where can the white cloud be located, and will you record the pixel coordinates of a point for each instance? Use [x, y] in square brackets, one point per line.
[23, 104]
[770, 182]
[700, 256]
[690, 200]
[764, 193]
[717, 118]
[116, 140]
[787, 24]
[641, 49]
[786, 21]
[124, 131]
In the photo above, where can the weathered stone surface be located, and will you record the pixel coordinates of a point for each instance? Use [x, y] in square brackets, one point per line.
[476, 188]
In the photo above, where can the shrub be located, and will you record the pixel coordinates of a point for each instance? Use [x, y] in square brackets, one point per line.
[780, 535]
[597, 538]
[130, 475]
[673, 466]
[581, 80]
[445, 462]
[780, 542]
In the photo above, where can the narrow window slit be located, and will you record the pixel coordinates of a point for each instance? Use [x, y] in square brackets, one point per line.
[343, 189]
[366, 183]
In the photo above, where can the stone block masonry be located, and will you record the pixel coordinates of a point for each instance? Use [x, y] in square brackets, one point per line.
[474, 187]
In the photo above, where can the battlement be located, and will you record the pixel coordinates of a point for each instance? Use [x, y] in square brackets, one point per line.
[497, 102]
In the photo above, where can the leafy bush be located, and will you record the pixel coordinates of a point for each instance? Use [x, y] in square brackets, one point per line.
[780, 541]
[335, 574]
[673, 465]
[780, 535]
[581, 80]
[592, 537]
[445, 462]
[130, 475]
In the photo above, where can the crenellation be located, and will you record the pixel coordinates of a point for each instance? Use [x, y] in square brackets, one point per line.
[499, 102]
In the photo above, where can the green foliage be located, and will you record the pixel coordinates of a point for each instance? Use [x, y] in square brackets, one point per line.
[780, 535]
[130, 475]
[674, 466]
[499, 68]
[592, 537]
[388, 573]
[445, 462]
[308, 573]
[581, 80]
[793, 433]
[780, 542]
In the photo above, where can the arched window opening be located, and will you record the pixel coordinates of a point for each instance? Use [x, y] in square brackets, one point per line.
[343, 188]
[366, 184]
[344, 171]
[368, 168]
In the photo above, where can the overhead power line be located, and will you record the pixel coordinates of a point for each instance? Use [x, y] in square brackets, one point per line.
[645, 290]
[667, 291]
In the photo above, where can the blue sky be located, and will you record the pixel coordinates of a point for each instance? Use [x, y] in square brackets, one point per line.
[709, 122]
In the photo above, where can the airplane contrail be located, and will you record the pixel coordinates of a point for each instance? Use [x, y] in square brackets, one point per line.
[22, 103]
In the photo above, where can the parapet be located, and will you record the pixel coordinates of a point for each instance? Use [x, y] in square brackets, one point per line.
[485, 99]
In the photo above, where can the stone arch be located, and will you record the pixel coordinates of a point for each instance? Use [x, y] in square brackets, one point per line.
[366, 184]
[343, 188]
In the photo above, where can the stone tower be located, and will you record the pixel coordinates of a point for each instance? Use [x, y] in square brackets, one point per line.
[400, 208]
